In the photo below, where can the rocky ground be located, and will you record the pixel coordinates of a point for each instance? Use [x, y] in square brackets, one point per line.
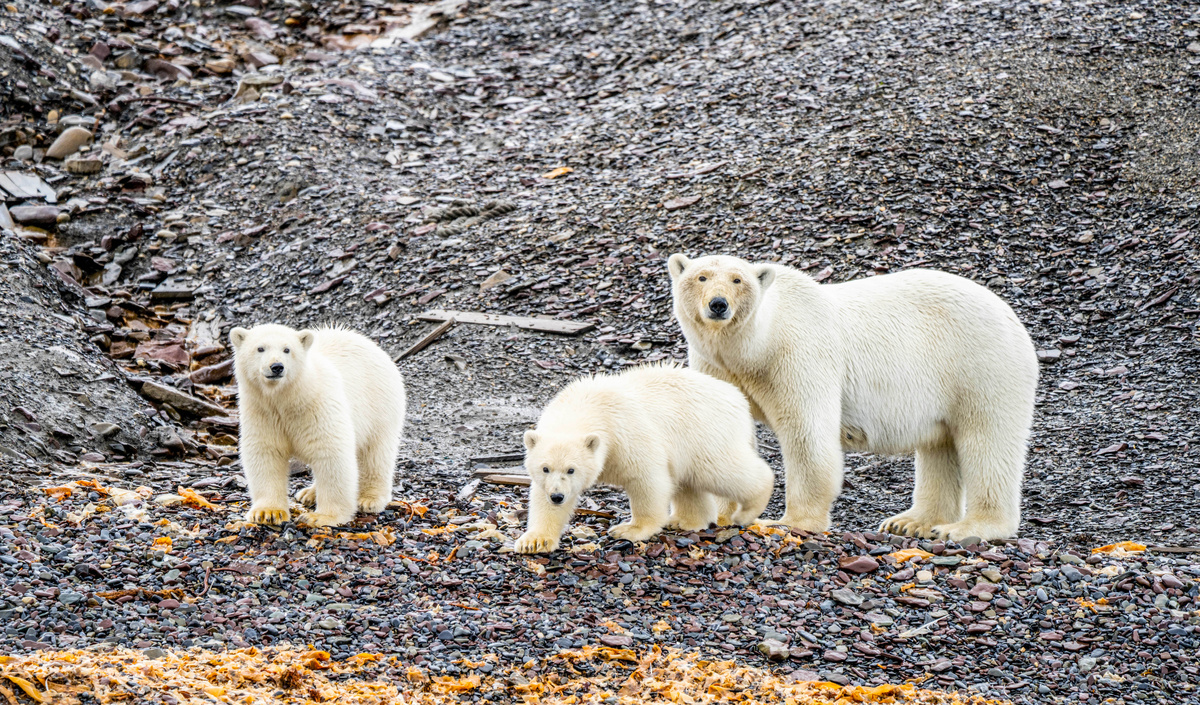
[295, 163]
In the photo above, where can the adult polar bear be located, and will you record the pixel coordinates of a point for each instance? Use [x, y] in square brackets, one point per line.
[918, 360]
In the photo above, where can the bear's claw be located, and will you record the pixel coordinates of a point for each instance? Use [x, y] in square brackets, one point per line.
[263, 515]
[532, 543]
[307, 496]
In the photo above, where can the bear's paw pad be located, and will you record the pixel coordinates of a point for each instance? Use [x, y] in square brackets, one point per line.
[317, 519]
[264, 515]
[533, 543]
[307, 496]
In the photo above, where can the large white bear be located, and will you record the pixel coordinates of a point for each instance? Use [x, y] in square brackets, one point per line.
[918, 360]
[670, 436]
[328, 397]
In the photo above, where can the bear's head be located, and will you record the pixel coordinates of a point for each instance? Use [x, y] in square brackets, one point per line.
[717, 291]
[269, 357]
[561, 466]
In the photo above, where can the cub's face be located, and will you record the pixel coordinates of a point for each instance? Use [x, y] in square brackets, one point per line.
[269, 356]
[716, 291]
[561, 467]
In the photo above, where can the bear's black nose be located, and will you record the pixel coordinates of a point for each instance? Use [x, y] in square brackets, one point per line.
[276, 368]
[719, 307]
[556, 498]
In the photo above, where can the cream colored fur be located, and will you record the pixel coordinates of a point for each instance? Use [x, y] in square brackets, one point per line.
[667, 435]
[338, 406]
[919, 361]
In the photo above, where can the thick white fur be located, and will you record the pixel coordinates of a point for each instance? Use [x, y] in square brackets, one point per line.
[667, 435]
[339, 406]
[918, 360]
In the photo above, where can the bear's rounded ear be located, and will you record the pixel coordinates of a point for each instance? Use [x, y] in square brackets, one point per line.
[676, 264]
[531, 439]
[237, 336]
[765, 274]
[592, 441]
[306, 338]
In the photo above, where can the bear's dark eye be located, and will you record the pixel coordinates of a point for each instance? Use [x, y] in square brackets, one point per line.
[703, 279]
[262, 349]
[570, 471]
[286, 351]
[546, 470]
[735, 281]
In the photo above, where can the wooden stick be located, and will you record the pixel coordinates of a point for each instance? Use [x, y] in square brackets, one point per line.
[514, 480]
[500, 458]
[424, 342]
[514, 470]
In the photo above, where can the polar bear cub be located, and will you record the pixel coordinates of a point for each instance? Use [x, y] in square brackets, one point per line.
[918, 360]
[328, 397]
[671, 437]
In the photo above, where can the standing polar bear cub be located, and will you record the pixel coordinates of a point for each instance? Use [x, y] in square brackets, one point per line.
[671, 437]
[328, 397]
[918, 360]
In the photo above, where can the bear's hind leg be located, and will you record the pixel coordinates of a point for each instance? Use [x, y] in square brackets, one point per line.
[992, 464]
[376, 466]
[937, 494]
[693, 509]
[754, 492]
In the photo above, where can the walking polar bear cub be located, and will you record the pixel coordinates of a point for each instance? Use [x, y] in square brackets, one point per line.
[328, 397]
[918, 360]
[670, 436]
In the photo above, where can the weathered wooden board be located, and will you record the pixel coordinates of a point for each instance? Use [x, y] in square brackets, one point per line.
[544, 325]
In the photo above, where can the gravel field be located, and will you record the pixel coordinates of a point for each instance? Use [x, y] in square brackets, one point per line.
[280, 162]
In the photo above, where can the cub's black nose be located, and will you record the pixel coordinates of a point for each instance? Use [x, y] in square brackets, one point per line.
[276, 368]
[556, 498]
[719, 306]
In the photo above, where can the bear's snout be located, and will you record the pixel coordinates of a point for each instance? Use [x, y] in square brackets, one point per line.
[557, 498]
[718, 308]
[276, 370]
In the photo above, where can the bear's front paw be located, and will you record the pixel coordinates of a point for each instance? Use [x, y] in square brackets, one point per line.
[535, 543]
[266, 515]
[307, 496]
[908, 524]
[688, 523]
[981, 530]
[373, 505]
[632, 532]
[318, 519]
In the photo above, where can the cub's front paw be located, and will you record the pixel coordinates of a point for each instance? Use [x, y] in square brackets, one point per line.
[535, 543]
[318, 519]
[267, 515]
[373, 505]
[686, 523]
[632, 532]
[307, 496]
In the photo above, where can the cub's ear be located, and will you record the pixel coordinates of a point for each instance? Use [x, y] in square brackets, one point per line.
[592, 441]
[531, 439]
[306, 338]
[676, 264]
[765, 274]
[237, 336]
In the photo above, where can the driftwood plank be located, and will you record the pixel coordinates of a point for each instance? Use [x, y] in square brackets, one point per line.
[499, 458]
[544, 325]
[515, 480]
[429, 338]
[468, 491]
[514, 470]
